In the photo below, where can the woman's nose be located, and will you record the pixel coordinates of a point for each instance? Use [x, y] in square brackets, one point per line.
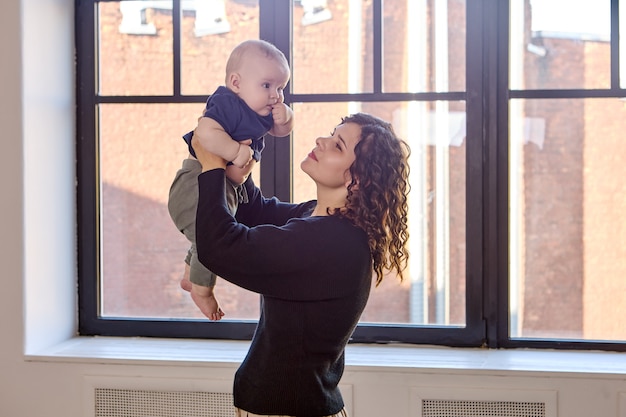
[322, 142]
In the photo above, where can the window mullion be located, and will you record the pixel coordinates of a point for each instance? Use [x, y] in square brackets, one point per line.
[87, 199]
[275, 21]
[615, 45]
[378, 46]
[176, 46]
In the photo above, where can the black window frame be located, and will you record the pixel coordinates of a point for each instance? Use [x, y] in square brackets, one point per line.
[487, 95]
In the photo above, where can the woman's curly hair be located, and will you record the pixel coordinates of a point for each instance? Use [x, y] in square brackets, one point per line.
[377, 195]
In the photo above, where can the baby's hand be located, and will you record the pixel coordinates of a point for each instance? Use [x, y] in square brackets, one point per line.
[244, 155]
[281, 113]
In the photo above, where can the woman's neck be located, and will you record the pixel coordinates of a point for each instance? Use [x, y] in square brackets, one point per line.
[329, 200]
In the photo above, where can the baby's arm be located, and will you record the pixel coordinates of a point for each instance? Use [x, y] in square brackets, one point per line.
[214, 139]
[283, 120]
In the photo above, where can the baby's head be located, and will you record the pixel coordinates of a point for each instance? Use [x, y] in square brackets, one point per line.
[258, 72]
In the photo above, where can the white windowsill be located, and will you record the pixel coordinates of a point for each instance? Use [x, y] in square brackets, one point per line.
[227, 353]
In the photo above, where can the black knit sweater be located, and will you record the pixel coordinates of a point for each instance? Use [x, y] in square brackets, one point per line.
[314, 277]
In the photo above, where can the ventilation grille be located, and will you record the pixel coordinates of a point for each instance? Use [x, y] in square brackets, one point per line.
[141, 403]
[483, 401]
[448, 408]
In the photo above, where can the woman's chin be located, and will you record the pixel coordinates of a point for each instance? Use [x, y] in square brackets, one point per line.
[305, 164]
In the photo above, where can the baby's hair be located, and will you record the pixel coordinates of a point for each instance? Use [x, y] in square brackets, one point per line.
[261, 47]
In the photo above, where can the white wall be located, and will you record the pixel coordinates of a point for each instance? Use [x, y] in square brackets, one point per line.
[38, 303]
[36, 116]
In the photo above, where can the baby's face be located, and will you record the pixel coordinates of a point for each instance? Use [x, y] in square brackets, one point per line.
[261, 83]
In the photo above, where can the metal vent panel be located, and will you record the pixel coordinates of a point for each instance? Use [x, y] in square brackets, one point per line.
[482, 402]
[111, 396]
[110, 402]
[121, 396]
[456, 408]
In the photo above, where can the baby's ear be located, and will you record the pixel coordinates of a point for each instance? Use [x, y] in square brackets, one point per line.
[233, 81]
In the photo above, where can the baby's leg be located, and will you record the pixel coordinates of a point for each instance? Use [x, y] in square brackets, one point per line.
[182, 205]
[200, 276]
[197, 278]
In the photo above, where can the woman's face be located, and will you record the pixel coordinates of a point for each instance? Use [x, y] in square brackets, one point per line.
[328, 163]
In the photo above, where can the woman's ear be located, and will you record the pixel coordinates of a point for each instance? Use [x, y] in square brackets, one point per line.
[354, 184]
[348, 178]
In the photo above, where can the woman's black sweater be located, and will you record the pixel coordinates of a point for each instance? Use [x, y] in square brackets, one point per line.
[314, 277]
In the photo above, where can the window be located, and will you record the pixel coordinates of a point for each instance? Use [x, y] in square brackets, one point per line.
[513, 121]
[566, 154]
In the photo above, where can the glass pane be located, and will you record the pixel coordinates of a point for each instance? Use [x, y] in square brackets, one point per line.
[424, 46]
[332, 50]
[562, 44]
[210, 30]
[568, 199]
[141, 148]
[135, 48]
[433, 291]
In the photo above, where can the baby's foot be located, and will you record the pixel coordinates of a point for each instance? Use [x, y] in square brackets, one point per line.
[205, 300]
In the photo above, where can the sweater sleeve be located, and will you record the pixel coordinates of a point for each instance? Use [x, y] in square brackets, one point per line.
[299, 260]
[260, 210]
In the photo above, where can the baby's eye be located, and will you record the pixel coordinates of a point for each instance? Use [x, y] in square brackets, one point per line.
[338, 146]
[266, 85]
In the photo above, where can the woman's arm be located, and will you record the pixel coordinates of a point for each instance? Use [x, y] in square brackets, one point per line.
[302, 259]
[305, 259]
[261, 210]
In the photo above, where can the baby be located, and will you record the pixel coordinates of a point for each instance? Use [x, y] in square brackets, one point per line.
[236, 118]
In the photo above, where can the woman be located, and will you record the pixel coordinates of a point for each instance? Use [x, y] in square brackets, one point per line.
[311, 263]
